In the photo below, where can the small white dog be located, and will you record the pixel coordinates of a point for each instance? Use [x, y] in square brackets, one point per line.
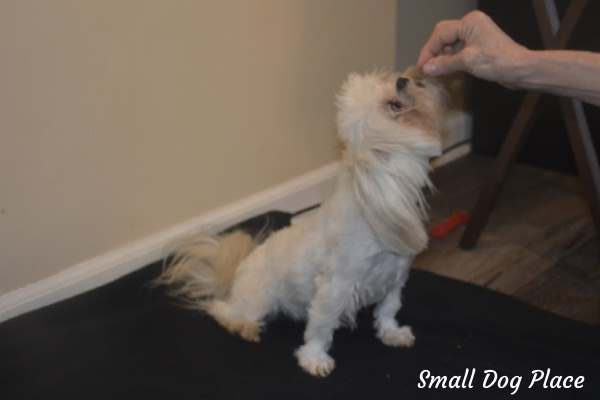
[356, 250]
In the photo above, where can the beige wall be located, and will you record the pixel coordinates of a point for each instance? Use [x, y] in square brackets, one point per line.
[121, 118]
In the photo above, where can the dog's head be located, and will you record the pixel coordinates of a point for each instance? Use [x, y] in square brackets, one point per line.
[390, 124]
[405, 107]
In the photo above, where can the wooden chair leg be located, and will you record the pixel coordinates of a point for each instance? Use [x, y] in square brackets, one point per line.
[584, 151]
[510, 148]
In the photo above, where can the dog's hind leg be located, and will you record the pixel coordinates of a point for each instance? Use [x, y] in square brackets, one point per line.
[249, 301]
[230, 317]
[386, 325]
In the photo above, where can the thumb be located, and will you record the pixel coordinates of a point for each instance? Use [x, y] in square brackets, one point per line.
[444, 64]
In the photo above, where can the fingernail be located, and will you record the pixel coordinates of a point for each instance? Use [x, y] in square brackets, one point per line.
[429, 68]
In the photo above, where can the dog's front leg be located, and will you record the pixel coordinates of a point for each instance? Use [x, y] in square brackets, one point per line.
[386, 325]
[323, 318]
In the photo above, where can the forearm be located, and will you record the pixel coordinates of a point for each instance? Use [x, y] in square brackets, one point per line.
[561, 72]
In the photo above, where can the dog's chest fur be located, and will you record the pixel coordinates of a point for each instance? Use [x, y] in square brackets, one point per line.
[334, 250]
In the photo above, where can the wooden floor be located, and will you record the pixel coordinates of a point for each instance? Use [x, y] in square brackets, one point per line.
[540, 245]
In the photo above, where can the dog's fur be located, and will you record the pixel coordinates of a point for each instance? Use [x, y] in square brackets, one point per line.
[356, 250]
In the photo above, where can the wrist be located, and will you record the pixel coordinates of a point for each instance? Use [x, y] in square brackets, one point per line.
[520, 68]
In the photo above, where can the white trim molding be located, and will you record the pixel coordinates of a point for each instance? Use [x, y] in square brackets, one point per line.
[291, 196]
[458, 152]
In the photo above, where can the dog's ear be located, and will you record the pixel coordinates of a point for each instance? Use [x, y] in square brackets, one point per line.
[454, 86]
[352, 102]
[350, 81]
[393, 205]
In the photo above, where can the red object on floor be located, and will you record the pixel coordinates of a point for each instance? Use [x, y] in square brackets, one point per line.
[442, 229]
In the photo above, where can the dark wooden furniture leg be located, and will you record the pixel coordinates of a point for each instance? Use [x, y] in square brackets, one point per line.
[572, 110]
[555, 35]
[583, 149]
[510, 148]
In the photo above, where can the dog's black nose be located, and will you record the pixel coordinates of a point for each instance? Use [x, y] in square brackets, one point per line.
[401, 83]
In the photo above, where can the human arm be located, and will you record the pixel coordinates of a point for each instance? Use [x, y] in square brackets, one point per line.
[475, 44]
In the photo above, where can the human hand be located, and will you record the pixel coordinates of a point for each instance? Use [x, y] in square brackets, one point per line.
[474, 44]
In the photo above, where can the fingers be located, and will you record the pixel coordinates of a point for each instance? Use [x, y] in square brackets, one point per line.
[444, 64]
[445, 33]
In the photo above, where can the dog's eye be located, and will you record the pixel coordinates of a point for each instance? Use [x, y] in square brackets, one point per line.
[394, 105]
[419, 83]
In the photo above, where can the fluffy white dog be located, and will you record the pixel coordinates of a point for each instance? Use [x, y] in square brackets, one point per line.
[356, 250]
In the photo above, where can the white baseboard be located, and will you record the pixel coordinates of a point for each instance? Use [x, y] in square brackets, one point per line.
[452, 155]
[291, 196]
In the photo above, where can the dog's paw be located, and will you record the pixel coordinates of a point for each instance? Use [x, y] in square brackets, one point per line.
[397, 336]
[315, 361]
[247, 330]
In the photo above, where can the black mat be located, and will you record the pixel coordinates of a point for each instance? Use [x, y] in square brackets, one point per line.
[123, 341]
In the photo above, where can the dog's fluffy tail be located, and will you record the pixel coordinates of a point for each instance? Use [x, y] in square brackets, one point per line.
[203, 268]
